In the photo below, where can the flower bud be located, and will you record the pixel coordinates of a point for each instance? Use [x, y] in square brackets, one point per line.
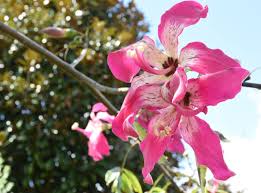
[54, 32]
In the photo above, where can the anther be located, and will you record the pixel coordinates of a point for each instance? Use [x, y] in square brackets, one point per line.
[170, 62]
[165, 65]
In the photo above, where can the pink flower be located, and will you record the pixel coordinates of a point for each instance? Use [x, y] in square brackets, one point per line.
[168, 120]
[164, 102]
[127, 62]
[97, 145]
[179, 119]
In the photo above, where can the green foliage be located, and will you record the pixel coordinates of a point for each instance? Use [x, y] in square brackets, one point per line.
[133, 180]
[39, 102]
[112, 174]
[5, 185]
[141, 131]
[202, 170]
[122, 180]
[157, 190]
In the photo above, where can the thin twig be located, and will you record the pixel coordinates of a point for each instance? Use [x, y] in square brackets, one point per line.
[80, 58]
[167, 175]
[127, 154]
[251, 85]
[94, 86]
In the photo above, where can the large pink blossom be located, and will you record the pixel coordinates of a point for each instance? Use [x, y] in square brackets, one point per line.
[178, 119]
[165, 102]
[97, 145]
[169, 112]
[127, 62]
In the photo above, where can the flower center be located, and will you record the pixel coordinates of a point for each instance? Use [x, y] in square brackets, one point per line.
[163, 131]
[186, 99]
[170, 63]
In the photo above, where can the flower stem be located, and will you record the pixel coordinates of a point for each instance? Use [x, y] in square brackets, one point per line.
[126, 155]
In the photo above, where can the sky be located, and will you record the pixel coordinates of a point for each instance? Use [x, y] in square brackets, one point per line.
[233, 26]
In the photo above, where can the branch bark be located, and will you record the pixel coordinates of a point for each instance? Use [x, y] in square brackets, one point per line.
[94, 86]
[251, 85]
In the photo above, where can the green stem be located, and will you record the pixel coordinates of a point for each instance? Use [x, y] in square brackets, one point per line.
[126, 155]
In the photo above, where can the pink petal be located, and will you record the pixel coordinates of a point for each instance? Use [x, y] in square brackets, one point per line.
[145, 65]
[98, 146]
[165, 120]
[147, 96]
[148, 179]
[204, 60]
[206, 145]
[124, 63]
[217, 87]
[145, 117]
[160, 132]
[82, 131]
[178, 85]
[122, 124]
[175, 20]
[147, 78]
[150, 58]
[99, 107]
[123, 66]
[152, 147]
[104, 116]
[190, 112]
[175, 145]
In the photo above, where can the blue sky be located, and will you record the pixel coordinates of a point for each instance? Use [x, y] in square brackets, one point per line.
[235, 27]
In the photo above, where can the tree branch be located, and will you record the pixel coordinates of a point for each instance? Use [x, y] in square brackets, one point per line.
[251, 85]
[62, 64]
[94, 86]
[80, 58]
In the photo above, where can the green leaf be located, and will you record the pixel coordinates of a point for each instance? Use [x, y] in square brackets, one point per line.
[116, 185]
[70, 33]
[111, 175]
[157, 190]
[140, 130]
[195, 190]
[126, 185]
[163, 159]
[202, 177]
[133, 180]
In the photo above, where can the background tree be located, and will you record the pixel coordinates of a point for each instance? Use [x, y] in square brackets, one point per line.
[39, 103]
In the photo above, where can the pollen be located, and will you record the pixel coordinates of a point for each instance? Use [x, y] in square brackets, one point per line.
[163, 132]
[131, 53]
